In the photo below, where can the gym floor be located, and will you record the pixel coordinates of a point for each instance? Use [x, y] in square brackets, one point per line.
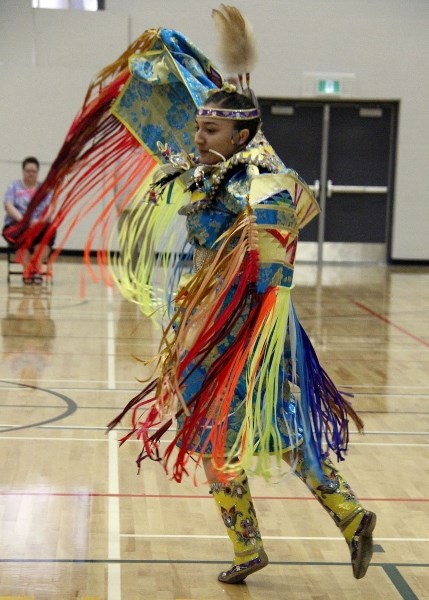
[79, 522]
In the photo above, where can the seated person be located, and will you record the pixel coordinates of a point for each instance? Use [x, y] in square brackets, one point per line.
[17, 198]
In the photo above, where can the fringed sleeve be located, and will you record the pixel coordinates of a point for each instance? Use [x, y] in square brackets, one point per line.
[83, 175]
[149, 94]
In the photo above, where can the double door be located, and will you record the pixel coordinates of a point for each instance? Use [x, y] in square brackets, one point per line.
[345, 151]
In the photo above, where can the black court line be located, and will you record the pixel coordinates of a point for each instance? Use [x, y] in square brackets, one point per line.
[37, 406]
[71, 407]
[352, 433]
[155, 561]
[391, 570]
[399, 582]
[67, 306]
[82, 388]
[356, 395]
[120, 407]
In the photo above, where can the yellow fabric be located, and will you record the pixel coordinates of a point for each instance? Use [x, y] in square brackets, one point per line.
[268, 184]
[265, 358]
[271, 251]
[340, 501]
[153, 228]
[235, 504]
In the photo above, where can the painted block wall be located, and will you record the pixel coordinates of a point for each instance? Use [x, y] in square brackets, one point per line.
[47, 58]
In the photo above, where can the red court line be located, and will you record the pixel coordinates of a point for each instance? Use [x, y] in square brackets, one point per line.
[385, 320]
[188, 496]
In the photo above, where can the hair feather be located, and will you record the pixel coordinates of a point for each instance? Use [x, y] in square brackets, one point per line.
[236, 40]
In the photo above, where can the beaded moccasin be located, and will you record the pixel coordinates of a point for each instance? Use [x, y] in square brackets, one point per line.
[238, 573]
[361, 544]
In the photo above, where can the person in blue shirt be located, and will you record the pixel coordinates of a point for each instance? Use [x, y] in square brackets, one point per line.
[18, 196]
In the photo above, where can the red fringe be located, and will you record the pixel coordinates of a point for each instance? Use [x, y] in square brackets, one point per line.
[94, 146]
[212, 403]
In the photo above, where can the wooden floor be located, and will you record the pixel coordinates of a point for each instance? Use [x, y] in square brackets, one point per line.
[77, 522]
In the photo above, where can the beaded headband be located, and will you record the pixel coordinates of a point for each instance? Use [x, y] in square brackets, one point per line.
[229, 113]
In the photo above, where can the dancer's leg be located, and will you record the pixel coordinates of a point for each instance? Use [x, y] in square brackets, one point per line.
[338, 499]
[239, 517]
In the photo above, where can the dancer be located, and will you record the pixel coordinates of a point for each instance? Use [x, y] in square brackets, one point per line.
[236, 370]
[234, 343]
[233, 374]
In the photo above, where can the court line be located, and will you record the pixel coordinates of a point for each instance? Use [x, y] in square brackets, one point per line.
[154, 561]
[104, 441]
[114, 542]
[132, 382]
[356, 396]
[383, 432]
[387, 444]
[384, 386]
[70, 408]
[266, 537]
[187, 496]
[111, 354]
[391, 570]
[399, 582]
[52, 439]
[114, 522]
[126, 429]
[100, 440]
[391, 323]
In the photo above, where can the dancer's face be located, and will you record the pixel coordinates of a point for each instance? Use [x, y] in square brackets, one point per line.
[218, 136]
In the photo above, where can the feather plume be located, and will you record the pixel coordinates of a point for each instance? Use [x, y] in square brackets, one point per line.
[237, 44]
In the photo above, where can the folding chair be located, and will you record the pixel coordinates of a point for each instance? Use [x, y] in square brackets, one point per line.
[14, 268]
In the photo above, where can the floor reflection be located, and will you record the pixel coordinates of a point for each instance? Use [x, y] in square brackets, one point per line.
[28, 332]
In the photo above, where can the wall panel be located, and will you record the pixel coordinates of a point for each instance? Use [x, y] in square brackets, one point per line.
[384, 43]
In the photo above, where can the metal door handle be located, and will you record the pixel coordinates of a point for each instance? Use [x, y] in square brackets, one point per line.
[315, 188]
[354, 189]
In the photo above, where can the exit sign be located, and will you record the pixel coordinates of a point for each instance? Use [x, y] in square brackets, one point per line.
[329, 86]
[328, 83]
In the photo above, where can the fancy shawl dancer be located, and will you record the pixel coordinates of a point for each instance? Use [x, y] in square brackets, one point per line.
[236, 372]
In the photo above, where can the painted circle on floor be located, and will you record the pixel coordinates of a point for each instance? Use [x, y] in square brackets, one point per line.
[70, 407]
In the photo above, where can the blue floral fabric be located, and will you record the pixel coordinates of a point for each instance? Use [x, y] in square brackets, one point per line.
[167, 85]
[204, 228]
